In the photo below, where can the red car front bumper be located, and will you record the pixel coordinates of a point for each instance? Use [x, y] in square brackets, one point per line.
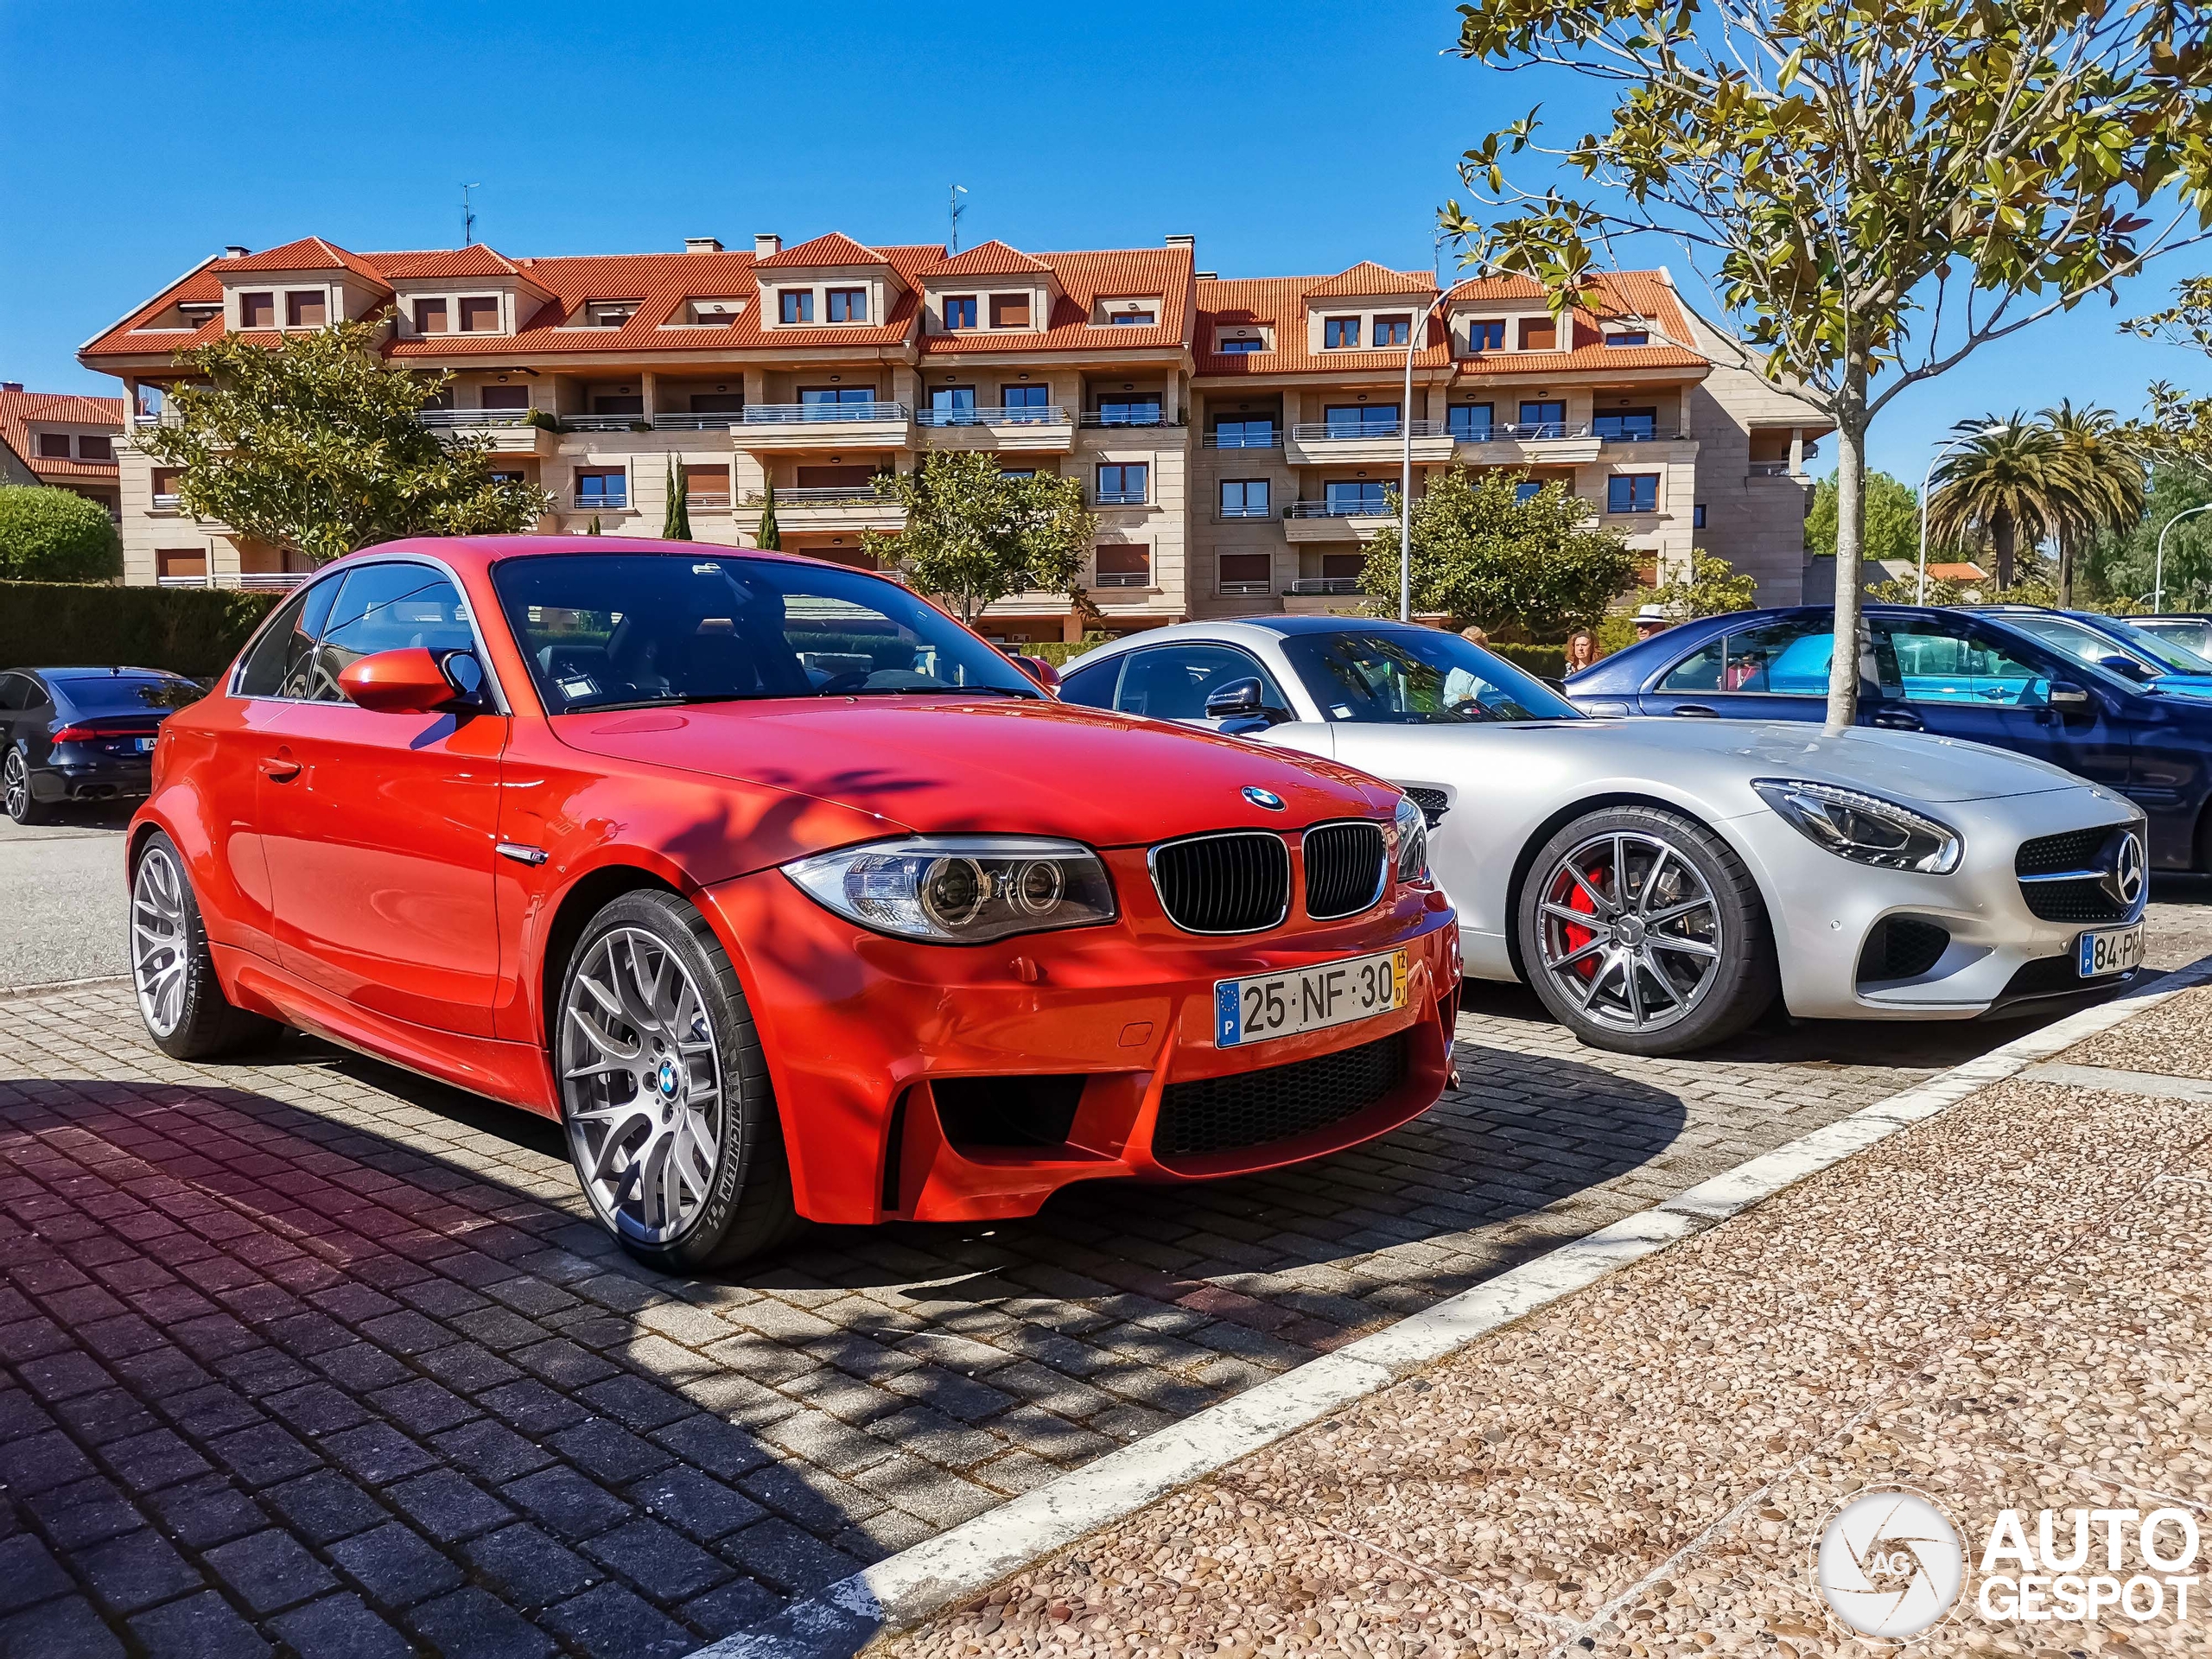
[935, 1083]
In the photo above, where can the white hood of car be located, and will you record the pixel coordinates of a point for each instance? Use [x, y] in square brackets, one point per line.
[1917, 765]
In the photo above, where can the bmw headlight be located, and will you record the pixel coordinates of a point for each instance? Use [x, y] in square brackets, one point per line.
[1411, 830]
[960, 889]
[1863, 828]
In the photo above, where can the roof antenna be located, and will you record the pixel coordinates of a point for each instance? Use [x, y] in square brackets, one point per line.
[958, 207]
[467, 217]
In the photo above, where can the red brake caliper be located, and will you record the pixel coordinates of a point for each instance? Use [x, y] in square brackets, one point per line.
[1578, 898]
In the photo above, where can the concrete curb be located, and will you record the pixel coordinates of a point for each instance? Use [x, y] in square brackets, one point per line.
[905, 1589]
[61, 987]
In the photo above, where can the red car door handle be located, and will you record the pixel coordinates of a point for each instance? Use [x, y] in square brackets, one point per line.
[280, 767]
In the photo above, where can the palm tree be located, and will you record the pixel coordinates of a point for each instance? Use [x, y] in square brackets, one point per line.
[2107, 484]
[2009, 478]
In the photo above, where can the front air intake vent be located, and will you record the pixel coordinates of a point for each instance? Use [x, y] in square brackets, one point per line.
[1251, 1109]
[1235, 882]
[1902, 947]
[1345, 869]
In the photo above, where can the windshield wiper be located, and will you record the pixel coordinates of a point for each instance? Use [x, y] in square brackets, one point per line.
[934, 691]
[677, 702]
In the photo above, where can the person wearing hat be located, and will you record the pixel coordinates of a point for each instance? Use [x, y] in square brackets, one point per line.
[1650, 620]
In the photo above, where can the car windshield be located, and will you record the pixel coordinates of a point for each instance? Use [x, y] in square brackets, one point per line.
[2178, 630]
[631, 630]
[1417, 676]
[2177, 656]
[94, 696]
[2079, 640]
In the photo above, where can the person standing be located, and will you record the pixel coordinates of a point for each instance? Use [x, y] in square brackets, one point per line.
[1581, 651]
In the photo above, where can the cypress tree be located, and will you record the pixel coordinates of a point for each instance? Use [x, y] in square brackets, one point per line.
[676, 525]
[768, 536]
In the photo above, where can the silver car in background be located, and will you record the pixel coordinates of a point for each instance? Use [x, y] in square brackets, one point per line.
[1660, 882]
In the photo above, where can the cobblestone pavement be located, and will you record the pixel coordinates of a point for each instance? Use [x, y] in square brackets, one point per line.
[305, 1354]
[2005, 1307]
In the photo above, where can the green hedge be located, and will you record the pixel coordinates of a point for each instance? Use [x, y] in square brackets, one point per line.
[196, 631]
[1546, 662]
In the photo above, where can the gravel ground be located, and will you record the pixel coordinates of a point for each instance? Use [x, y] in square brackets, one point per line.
[2004, 1307]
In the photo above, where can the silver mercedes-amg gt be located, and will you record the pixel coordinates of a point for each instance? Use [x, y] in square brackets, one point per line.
[1659, 881]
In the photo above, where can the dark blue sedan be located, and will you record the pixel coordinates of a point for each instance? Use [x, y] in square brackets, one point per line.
[1955, 673]
[81, 733]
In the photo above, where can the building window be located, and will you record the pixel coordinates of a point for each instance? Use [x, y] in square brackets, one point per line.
[516, 480]
[1133, 318]
[848, 305]
[1257, 432]
[480, 316]
[613, 314]
[1527, 489]
[1697, 517]
[184, 564]
[1018, 471]
[1485, 336]
[1540, 420]
[53, 446]
[1339, 333]
[1140, 409]
[95, 445]
[1124, 566]
[1361, 420]
[1009, 310]
[837, 395]
[1632, 492]
[165, 485]
[307, 307]
[505, 398]
[620, 402]
[1025, 397]
[1241, 345]
[947, 399]
[1244, 498]
[602, 489]
[1539, 334]
[717, 403]
[1470, 423]
[1247, 573]
[1363, 498]
[1394, 331]
[257, 310]
[796, 305]
[429, 316]
[960, 311]
[1630, 337]
[1626, 425]
[1122, 484]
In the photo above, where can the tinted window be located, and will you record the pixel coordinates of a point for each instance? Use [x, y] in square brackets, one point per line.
[2183, 653]
[1174, 682]
[1093, 685]
[634, 629]
[389, 607]
[125, 694]
[15, 693]
[1417, 676]
[2085, 644]
[281, 661]
[1937, 664]
[1776, 659]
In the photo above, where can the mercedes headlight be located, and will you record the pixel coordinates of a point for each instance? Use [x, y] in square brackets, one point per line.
[1411, 831]
[960, 889]
[1863, 828]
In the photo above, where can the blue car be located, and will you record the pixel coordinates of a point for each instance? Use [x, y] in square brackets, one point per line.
[1960, 674]
[2109, 643]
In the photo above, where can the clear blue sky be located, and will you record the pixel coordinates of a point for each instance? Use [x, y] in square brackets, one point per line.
[1289, 137]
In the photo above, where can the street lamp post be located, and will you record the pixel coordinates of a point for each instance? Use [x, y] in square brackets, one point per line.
[1413, 341]
[2158, 568]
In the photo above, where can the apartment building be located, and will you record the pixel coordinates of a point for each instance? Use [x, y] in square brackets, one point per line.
[62, 440]
[1234, 437]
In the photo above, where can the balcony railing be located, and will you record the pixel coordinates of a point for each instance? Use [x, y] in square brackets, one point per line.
[453, 418]
[1135, 417]
[614, 501]
[717, 421]
[167, 503]
[267, 580]
[1271, 440]
[1366, 508]
[707, 498]
[1118, 498]
[1246, 587]
[1531, 432]
[603, 423]
[824, 495]
[1001, 415]
[1265, 510]
[1770, 469]
[1314, 431]
[1653, 436]
[795, 413]
[1125, 578]
[1323, 587]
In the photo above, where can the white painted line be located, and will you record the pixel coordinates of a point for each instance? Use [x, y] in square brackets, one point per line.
[904, 1590]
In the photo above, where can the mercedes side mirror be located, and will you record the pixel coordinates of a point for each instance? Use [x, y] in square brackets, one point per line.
[1239, 700]
[411, 680]
[2127, 665]
[2064, 694]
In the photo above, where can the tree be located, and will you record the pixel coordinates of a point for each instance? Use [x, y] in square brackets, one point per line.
[1484, 554]
[1712, 588]
[1877, 190]
[676, 524]
[56, 536]
[974, 534]
[313, 445]
[1891, 528]
[2105, 487]
[2123, 560]
[2011, 478]
[768, 536]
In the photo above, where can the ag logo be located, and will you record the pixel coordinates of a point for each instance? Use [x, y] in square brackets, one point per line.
[1890, 1564]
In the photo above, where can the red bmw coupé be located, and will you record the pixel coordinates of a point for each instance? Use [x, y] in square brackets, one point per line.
[785, 893]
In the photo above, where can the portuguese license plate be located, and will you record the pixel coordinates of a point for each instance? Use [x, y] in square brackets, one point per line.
[1308, 999]
[145, 745]
[2115, 951]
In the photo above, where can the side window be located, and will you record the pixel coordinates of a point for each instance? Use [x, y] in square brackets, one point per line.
[1773, 659]
[1093, 685]
[1174, 682]
[15, 693]
[282, 660]
[1939, 664]
[388, 607]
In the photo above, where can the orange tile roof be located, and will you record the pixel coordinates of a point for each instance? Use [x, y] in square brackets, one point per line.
[309, 253]
[834, 249]
[1958, 572]
[1281, 300]
[474, 260]
[1085, 279]
[1621, 296]
[19, 409]
[1368, 277]
[986, 259]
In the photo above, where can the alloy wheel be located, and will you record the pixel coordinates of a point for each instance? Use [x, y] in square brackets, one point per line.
[641, 1080]
[15, 781]
[1629, 932]
[160, 940]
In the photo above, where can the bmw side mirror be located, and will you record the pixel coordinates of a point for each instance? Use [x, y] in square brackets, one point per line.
[2064, 694]
[411, 680]
[1239, 700]
[465, 674]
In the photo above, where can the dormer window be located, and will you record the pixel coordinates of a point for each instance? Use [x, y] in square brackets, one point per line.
[306, 308]
[257, 310]
[848, 304]
[610, 314]
[1539, 334]
[1339, 333]
[1009, 310]
[1629, 337]
[432, 317]
[1394, 331]
[1240, 342]
[796, 305]
[714, 314]
[960, 311]
[196, 314]
[480, 315]
[1133, 318]
[1485, 334]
